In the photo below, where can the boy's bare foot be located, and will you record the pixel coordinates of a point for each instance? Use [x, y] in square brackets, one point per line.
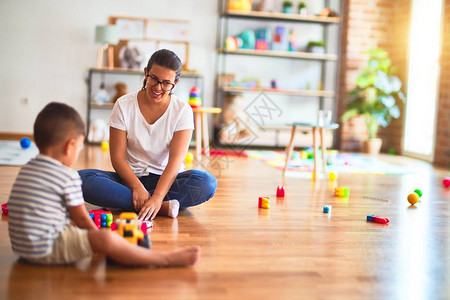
[186, 256]
[170, 208]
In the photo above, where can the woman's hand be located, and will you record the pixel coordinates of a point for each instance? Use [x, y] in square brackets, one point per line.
[140, 196]
[150, 208]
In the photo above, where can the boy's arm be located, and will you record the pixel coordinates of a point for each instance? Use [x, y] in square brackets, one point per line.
[79, 215]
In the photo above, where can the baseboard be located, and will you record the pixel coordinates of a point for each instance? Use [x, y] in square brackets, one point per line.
[10, 136]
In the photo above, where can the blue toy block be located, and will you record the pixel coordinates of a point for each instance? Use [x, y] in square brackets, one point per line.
[326, 209]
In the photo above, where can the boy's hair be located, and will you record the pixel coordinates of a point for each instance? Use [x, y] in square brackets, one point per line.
[56, 123]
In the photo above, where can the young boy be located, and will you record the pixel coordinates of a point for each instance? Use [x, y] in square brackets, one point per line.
[47, 195]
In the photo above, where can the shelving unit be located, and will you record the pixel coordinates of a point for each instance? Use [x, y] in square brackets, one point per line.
[134, 78]
[298, 96]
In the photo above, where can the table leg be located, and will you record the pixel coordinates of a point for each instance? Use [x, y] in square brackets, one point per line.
[289, 148]
[324, 150]
[315, 153]
[198, 135]
[205, 133]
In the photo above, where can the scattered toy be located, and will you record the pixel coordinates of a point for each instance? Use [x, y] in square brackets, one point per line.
[326, 209]
[281, 191]
[343, 192]
[264, 202]
[377, 219]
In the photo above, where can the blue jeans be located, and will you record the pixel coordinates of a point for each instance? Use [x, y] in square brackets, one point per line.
[107, 189]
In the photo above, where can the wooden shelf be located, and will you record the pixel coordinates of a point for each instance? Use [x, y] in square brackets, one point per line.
[264, 15]
[102, 106]
[307, 93]
[282, 54]
[139, 72]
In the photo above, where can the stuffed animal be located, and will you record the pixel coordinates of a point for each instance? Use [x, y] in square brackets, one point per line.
[130, 57]
[121, 89]
[98, 131]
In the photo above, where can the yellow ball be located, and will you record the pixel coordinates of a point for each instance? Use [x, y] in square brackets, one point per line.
[413, 198]
[105, 146]
[189, 158]
[332, 176]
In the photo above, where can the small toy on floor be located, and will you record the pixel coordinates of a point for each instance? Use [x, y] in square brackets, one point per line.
[446, 182]
[377, 219]
[343, 192]
[130, 228]
[332, 176]
[413, 198]
[327, 209]
[25, 143]
[281, 191]
[264, 202]
[5, 208]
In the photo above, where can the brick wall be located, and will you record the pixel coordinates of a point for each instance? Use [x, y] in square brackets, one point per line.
[368, 24]
[442, 150]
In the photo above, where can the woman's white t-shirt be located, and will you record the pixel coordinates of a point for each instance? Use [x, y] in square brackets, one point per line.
[148, 144]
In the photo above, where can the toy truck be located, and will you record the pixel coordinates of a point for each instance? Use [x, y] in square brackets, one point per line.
[130, 228]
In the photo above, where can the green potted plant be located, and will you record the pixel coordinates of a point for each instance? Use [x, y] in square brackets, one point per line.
[302, 10]
[287, 7]
[315, 47]
[375, 96]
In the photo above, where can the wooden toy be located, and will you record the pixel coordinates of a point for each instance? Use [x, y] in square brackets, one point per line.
[377, 219]
[413, 198]
[343, 192]
[326, 209]
[280, 191]
[264, 202]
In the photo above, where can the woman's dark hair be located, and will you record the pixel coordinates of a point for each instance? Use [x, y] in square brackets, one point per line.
[56, 123]
[167, 59]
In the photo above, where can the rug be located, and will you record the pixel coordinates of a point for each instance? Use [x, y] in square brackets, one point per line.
[11, 153]
[353, 163]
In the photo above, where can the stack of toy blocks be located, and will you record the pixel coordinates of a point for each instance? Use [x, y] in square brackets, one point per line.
[264, 202]
[342, 192]
[101, 218]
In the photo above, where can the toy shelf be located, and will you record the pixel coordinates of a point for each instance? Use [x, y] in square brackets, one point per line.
[307, 93]
[283, 54]
[263, 15]
[102, 106]
[191, 74]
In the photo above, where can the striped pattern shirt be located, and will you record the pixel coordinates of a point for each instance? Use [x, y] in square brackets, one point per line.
[38, 203]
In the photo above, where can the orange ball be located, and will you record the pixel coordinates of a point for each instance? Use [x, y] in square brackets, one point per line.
[413, 198]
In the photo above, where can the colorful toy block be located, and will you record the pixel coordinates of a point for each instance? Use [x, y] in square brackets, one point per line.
[264, 202]
[446, 182]
[326, 209]
[377, 219]
[280, 191]
[343, 192]
[101, 218]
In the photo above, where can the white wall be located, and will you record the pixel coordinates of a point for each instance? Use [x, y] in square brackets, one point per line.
[47, 46]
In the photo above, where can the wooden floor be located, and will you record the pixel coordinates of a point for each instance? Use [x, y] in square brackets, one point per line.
[292, 251]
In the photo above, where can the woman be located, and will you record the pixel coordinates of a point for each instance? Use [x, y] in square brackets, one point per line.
[150, 132]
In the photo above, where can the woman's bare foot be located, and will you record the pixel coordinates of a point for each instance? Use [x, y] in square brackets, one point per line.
[170, 208]
[187, 256]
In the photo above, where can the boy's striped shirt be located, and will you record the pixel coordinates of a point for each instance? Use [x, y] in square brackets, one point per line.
[40, 197]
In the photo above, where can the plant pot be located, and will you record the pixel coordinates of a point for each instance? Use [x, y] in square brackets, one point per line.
[373, 146]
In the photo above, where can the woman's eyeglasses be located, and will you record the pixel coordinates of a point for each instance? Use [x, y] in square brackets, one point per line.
[166, 85]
